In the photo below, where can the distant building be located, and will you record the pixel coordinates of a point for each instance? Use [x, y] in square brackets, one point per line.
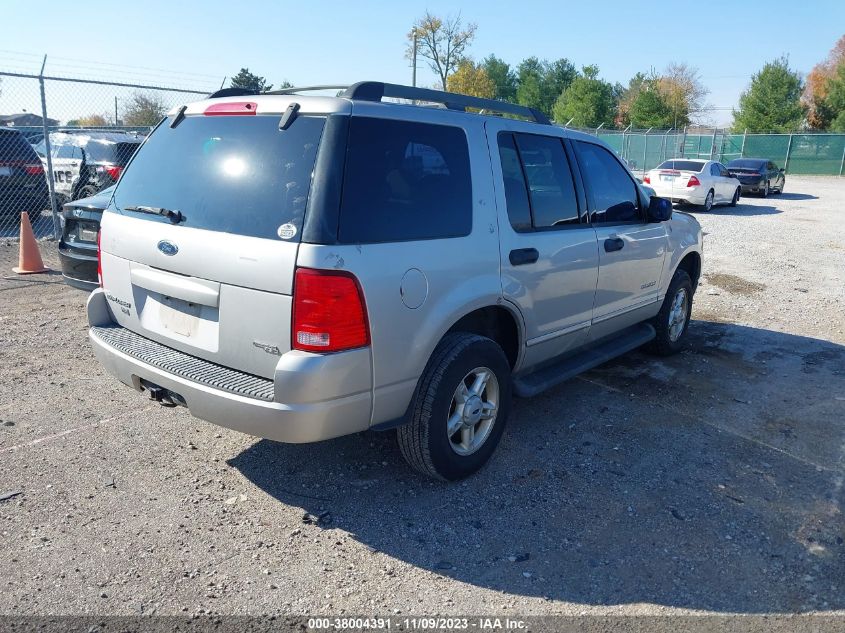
[24, 119]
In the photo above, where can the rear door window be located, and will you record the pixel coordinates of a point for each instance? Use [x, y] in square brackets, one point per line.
[404, 181]
[231, 174]
[614, 192]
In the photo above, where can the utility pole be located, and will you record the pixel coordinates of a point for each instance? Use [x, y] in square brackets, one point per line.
[414, 62]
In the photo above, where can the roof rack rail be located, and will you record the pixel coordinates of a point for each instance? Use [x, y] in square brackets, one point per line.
[376, 91]
[232, 92]
[293, 90]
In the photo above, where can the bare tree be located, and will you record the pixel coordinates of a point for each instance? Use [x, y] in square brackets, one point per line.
[684, 93]
[442, 41]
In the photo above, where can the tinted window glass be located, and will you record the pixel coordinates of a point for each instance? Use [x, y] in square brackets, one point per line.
[614, 192]
[550, 185]
[747, 164]
[684, 165]
[404, 181]
[714, 170]
[516, 194]
[235, 174]
[13, 146]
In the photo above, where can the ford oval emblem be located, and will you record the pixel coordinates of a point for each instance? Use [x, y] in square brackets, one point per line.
[168, 248]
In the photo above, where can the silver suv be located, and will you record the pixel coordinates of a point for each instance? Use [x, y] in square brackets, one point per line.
[300, 267]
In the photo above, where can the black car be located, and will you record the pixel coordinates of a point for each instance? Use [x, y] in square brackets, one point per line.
[23, 185]
[87, 161]
[757, 175]
[78, 244]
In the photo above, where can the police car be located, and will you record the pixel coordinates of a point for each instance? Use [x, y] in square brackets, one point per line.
[87, 161]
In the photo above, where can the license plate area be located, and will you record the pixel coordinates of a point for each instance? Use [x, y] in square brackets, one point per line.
[192, 324]
[180, 317]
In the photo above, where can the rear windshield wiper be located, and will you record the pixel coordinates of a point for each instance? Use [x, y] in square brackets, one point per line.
[171, 214]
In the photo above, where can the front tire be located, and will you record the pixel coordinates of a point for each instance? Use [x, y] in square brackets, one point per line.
[460, 408]
[672, 321]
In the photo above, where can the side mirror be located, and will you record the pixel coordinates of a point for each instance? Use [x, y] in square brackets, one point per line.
[659, 209]
[780, 170]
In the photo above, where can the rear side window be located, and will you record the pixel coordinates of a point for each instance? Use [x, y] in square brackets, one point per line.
[614, 192]
[404, 181]
[516, 193]
[539, 189]
[234, 174]
[550, 184]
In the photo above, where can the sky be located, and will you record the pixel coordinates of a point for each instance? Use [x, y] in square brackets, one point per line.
[197, 44]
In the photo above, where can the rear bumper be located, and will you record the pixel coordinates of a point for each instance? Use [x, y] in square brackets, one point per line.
[78, 269]
[688, 195]
[753, 188]
[316, 416]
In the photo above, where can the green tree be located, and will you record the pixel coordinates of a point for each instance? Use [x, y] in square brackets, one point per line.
[772, 102]
[144, 109]
[442, 41]
[502, 76]
[530, 83]
[471, 79]
[542, 82]
[649, 108]
[248, 81]
[588, 101]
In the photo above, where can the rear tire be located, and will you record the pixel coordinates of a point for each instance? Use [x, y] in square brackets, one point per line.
[766, 191]
[672, 321]
[86, 192]
[452, 396]
[708, 201]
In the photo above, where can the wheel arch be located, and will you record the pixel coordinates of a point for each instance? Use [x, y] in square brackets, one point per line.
[500, 322]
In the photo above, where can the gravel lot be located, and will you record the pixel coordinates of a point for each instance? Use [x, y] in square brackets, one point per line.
[710, 482]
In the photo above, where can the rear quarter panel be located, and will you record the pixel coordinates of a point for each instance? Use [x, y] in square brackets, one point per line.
[460, 275]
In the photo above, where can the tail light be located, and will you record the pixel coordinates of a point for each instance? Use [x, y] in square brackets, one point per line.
[693, 181]
[232, 108]
[329, 313]
[34, 170]
[99, 260]
[112, 170]
[647, 179]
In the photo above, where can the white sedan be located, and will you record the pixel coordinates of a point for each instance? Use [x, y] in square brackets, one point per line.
[688, 181]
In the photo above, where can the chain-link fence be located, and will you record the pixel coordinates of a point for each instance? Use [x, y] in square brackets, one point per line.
[798, 153]
[63, 138]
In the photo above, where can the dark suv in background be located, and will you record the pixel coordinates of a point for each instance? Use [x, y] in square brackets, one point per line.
[78, 244]
[23, 186]
[87, 161]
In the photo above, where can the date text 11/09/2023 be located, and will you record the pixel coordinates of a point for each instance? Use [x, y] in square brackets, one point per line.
[421, 623]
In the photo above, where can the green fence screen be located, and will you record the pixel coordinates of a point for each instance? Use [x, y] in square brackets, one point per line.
[821, 154]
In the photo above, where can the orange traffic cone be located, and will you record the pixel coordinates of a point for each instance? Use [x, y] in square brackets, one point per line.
[29, 260]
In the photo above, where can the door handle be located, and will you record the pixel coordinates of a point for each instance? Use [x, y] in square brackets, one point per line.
[613, 244]
[521, 256]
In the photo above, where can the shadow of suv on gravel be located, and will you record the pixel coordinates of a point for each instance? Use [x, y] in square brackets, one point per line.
[301, 267]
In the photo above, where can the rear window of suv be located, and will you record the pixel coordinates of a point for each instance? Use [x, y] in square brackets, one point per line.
[232, 174]
[13, 147]
[404, 181]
